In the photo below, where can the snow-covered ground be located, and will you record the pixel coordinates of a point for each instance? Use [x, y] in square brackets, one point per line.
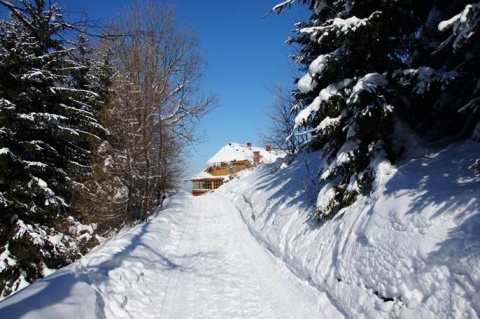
[410, 250]
[250, 250]
[194, 259]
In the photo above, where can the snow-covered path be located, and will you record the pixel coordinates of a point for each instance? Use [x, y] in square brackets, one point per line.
[224, 273]
[195, 259]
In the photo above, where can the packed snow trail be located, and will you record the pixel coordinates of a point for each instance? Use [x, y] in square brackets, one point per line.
[194, 259]
[224, 273]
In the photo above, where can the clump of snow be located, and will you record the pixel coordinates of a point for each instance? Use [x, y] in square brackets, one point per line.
[37, 235]
[324, 96]
[318, 65]
[447, 24]
[83, 232]
[462, 17]
[328, 122]
[5, 258]
[338, 25]
[463, 25]
[369, 83]
[62, 243]
[306, 83]
[349, 24]
[50, 197]
[35, 164]
[344, 156]
[325, 196]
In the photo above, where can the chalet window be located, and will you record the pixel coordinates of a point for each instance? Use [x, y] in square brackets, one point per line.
[205, 185]
[217, 183]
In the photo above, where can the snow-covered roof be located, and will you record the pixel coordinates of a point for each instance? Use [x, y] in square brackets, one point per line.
[206, 175]
[239, 152]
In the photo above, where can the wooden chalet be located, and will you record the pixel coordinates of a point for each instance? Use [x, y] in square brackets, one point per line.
[231, 159]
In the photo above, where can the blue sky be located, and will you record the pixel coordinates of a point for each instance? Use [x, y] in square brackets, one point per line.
[246, 56]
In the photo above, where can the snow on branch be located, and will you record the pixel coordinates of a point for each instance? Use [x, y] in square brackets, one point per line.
[281, 6]
[307, 82]
[328, 122]
[50, 197]
[4, 151]
[369, 83]
[324, 96]
[339, 25]
[54, 90]
[463, 26]
[424, 77]
[33, 116]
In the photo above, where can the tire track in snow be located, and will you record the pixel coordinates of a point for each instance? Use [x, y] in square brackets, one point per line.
[174, 281]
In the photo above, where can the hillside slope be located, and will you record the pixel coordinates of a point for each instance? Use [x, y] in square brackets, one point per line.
[410, 250]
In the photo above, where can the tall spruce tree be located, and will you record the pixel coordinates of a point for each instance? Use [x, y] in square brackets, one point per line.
[350, 51]
[45, 124]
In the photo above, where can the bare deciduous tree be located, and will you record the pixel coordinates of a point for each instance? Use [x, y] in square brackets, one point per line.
[278, 133]
[158, 101]
[151, 116]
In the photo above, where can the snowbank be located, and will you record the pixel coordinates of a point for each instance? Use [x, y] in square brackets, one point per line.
[410, 250]
[107, 282]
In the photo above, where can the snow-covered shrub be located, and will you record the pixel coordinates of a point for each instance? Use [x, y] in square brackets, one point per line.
[33, 250]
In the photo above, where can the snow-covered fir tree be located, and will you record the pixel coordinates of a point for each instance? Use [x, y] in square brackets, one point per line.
[46, 122]
[370, 65]
[349, 50]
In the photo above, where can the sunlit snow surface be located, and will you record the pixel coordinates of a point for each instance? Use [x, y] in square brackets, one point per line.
[410, 250]
[195, 259]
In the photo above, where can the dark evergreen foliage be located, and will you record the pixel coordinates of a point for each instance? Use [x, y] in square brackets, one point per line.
[350, 49]
[96, 135]
[46, 122]
[373, 64]
[442, 85]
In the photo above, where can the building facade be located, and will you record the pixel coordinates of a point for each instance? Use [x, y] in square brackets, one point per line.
[231, 159]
